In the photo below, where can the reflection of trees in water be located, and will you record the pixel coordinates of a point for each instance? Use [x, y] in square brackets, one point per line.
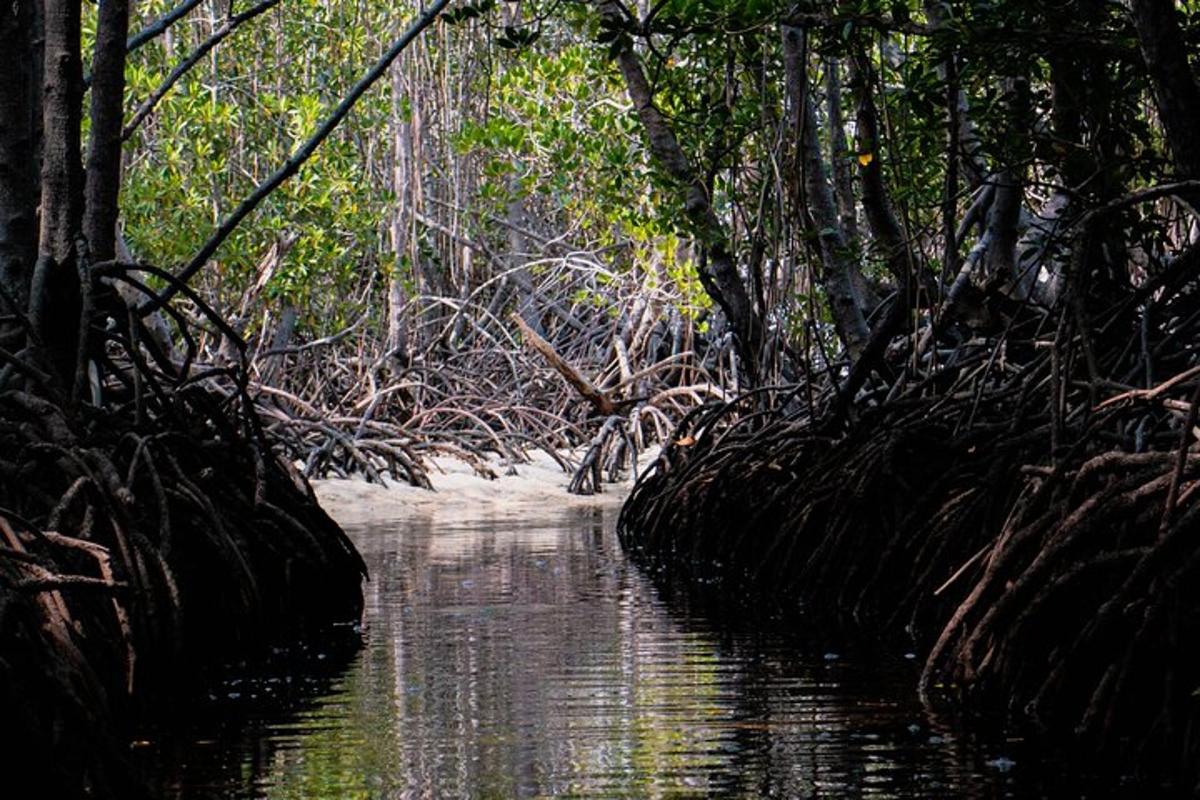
[221, 745]
[513, 657]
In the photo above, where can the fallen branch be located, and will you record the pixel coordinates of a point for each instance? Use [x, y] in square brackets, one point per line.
[600, 401]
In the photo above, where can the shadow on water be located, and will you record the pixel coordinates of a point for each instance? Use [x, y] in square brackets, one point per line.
[217, 743]
[522, 656]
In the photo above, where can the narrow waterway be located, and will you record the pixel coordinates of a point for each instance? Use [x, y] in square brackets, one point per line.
[523, 656]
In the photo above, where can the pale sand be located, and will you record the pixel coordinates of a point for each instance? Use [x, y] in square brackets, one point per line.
[459, 494]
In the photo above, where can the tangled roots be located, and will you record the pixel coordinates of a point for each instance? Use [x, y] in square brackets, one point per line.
[135, 547]
[1059, 587]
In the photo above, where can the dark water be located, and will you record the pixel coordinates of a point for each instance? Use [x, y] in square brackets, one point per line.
[519, 657]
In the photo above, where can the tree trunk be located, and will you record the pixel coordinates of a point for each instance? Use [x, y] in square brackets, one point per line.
[1176, 93]
[993, 260]
[62, 170]
[281, 339]
[18, 172]
[966, 144]
[808, 170]
[886, 228]
[518, 256]
[55, 300]
[722, 280]
[103, 181]
[999, 259]
[843, 184]
[402, 218]
[1041, 250]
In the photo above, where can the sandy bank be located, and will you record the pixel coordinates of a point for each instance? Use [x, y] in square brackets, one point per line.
[460, 494]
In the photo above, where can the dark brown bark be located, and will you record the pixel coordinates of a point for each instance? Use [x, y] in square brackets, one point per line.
[103, 181]
[1176, 93]
[807, 170]
[18, 174]
[62, 98]
[886, 229]
[843, 184]
[719, 272]
[55, 300]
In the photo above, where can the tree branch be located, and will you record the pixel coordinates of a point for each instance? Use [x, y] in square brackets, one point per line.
[227, 27]
[599, 400]
[722, 280]
[159, 26]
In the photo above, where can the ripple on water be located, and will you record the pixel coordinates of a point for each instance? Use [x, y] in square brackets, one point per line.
[528, 658]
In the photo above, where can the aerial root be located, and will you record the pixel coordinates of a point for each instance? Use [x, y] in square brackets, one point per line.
[1054, 590]
[138, 544]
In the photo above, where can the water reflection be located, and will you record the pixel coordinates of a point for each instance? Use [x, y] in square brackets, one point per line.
[516, 657]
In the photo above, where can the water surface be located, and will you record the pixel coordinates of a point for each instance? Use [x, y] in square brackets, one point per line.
[524, 656]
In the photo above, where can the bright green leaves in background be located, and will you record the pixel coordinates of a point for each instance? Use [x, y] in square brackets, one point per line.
[231, 121]
[543, 121]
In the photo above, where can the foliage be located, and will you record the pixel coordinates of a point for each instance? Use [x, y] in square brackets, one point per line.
[229, 123]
